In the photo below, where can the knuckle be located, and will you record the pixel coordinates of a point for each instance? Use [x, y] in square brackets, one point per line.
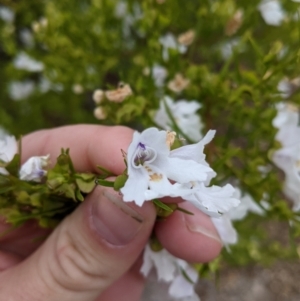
[75, 267]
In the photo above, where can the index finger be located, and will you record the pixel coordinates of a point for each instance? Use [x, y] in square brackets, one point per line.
[90, 145]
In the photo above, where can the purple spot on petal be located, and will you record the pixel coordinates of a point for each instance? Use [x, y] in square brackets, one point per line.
[142, 146]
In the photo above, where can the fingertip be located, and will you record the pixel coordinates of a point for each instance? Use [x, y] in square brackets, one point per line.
[90, 145]
[189, 237]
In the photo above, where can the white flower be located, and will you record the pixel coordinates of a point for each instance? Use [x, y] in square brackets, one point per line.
[247, 205]
[129, 17]
[224, 225]
[214, 201]
[44, 84]
[184, 113]
[228, 48]
[20, 90]
[287, 115]
[27, 38]
[159, 74]
[225, 229]
[169, 42]
[8, 148]
[288, 157]
[151, 166]
[42, 23]
[77, 89]
[121, 9]
[6, 14]
[99, 113]
[24, 62]
[34, 169]
[287, 87]
[271, 12]
[98, 96]
[169, 269]
[290, 164]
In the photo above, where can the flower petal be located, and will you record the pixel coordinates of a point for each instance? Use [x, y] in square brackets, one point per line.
[214, 200]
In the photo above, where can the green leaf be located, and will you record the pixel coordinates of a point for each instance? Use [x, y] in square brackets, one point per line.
[160, 204]
[120, 182]
[186, 276]
[105, 173]
[85, 181]
[13, 166]
[105, 183]
[184, 211]
[155, 244]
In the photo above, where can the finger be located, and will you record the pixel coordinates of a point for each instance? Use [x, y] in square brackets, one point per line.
[190, 237]
[22, 240]
[90, 145]
[85, 254]
[8, 260]
[128, 288]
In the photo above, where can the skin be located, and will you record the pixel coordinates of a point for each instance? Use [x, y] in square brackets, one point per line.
[74, 262]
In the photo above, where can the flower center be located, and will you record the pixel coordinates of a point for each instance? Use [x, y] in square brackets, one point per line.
[143, 154]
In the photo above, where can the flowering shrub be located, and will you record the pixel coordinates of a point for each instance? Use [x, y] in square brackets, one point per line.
[185, 69]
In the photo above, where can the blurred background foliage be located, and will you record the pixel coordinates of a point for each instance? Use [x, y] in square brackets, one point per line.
[234, 66]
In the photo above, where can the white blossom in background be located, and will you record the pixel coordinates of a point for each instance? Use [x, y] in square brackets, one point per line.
[228, 48]
[288, 156]
[77, 89]
[44, 84]
[169, 41]
[24, 62]
[155, 172]
[99, 113]
[42, 23]
[98, 96]
[18, 90]
[287, 87]
[129, 17]
[284, 88]
[184, 113]
[159, 74]
[26, 37]
[34, 169]
[271, 12]
[6, 14]
[169, 270]
[8, 148]
[287, 114]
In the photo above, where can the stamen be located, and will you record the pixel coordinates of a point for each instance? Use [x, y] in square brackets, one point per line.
[156, 177]
[170, 138]
[143, 154]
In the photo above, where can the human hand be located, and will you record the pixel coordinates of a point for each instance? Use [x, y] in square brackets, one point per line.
[95, 252]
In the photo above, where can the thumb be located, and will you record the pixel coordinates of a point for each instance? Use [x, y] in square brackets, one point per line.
[85, 254]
